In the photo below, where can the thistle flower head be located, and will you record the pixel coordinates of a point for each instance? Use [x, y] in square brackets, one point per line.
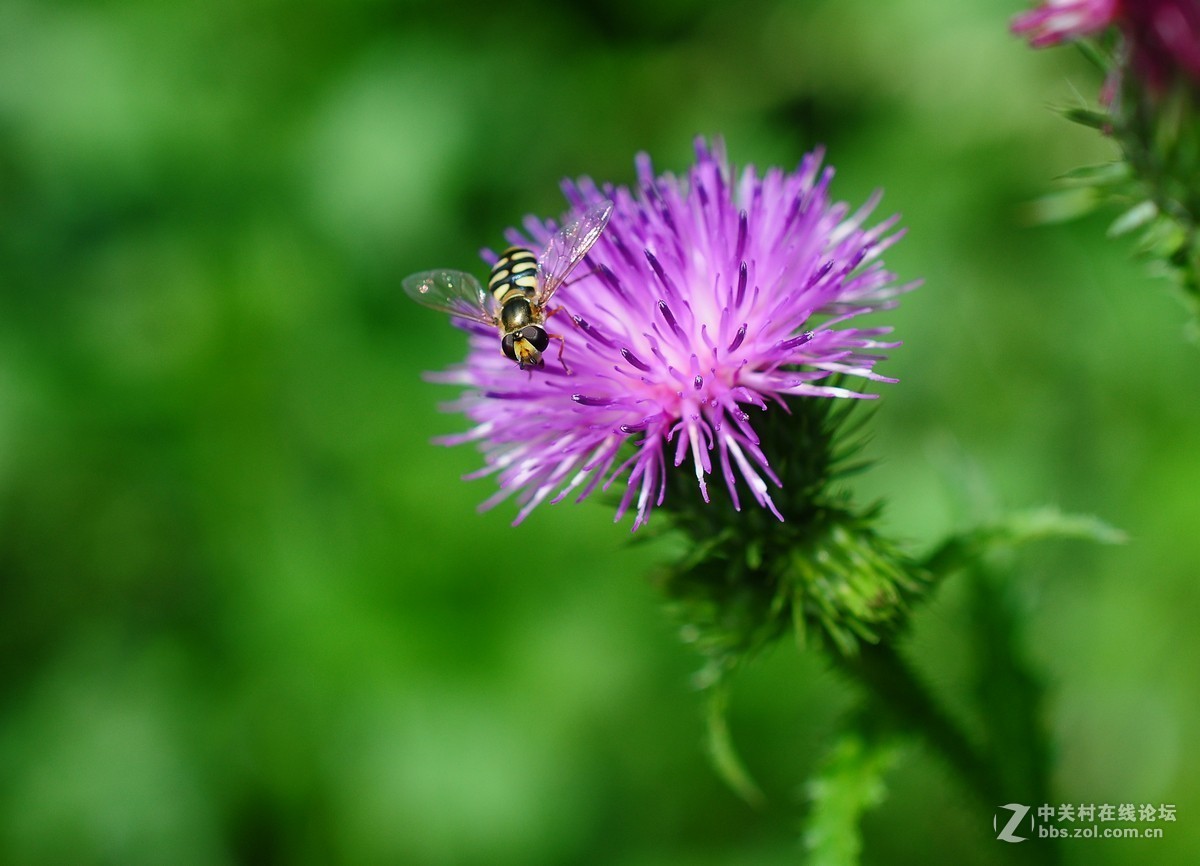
[1162, 37]
[1059, 21]
[707, 298]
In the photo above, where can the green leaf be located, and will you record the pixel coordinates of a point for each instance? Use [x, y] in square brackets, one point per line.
[726, 761]
[1061, 205]
[1088, 117]
[849, 783]
[1050, 522]
[968, 548]
[1102, 174]
[1098, 57]
[1161, 239]
[1009, 691]
[1136, 217]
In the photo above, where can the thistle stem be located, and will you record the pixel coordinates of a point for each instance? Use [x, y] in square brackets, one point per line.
[892, 684]
[894, 687]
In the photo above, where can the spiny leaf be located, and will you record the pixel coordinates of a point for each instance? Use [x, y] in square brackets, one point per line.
[1099, 58]
[721, 751]
[1010, 693]
[1039, 524]
[1103, 174]
[1062, 205]
[849, 784]
[1136, 217]
[1088, 117]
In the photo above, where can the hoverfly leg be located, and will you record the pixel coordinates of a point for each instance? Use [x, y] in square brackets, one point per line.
[562, 344]
[550, 311]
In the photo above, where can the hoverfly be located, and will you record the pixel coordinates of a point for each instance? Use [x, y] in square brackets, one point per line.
[518, 290]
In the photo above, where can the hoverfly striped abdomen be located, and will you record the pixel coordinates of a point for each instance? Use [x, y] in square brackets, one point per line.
[514, 271]
[513, 283]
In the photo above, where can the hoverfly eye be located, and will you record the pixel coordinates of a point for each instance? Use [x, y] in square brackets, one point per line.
[537, 337]
[507, 345]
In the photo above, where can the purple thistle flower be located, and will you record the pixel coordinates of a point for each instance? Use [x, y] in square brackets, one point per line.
[704, 297]
[1058, 21]
[1163, 36]
[1165, 40]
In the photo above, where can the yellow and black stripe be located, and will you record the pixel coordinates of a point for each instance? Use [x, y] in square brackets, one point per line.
[515, 271]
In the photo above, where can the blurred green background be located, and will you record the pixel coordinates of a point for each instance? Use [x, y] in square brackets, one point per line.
[248, 613]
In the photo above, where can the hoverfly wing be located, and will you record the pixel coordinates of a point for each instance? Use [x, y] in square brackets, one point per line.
[568, 247]
[454, 292]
